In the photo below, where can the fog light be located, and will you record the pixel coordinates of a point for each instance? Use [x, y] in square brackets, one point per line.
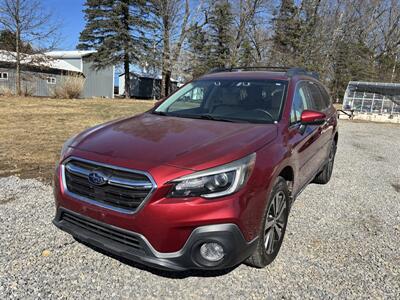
[212, 251]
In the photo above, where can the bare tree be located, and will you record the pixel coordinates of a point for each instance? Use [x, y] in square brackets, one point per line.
[246, 13]
[341, 39]
[174, 20]
[387, 39]
[30, 23]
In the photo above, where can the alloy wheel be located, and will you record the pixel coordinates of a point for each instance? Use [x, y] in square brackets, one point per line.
[275, 222]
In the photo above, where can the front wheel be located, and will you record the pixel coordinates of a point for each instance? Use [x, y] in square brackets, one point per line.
[273, 226]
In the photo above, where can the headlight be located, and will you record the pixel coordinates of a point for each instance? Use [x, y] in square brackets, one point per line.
[216, 182]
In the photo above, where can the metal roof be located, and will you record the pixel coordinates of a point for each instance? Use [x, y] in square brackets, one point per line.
[385, 84]
[69, 54]
[38, 60]
[384, 88]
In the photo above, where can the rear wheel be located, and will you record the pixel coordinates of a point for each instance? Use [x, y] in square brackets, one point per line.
[273, 226]
[325, 175]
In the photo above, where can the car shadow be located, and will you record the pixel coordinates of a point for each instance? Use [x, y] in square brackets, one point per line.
[159, 272]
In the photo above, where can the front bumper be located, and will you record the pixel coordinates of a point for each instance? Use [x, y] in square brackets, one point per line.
[135, 247]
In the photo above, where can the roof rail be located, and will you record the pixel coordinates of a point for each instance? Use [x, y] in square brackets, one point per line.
[289, 71]
[238, 69]
[300, 71]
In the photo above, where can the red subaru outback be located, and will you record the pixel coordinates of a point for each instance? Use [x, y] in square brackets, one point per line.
[206, 179]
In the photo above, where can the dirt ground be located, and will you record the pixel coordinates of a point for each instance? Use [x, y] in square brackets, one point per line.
[33, 130]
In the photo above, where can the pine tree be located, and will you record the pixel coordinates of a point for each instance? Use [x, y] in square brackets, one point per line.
[388, 68]
[353, 60]
[116, 29]
[8, 43]
[200, 51]
[221, 23]
[246, 54]
[308, 47]
[286, 33]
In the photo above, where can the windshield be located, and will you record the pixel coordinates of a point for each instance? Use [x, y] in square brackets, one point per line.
[253, 101]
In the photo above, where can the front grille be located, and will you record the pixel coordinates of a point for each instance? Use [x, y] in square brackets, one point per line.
[99, 229]
[122, 189]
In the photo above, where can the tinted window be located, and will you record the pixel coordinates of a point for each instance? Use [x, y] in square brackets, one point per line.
[325, 96]
[254, 101]
[316, 96]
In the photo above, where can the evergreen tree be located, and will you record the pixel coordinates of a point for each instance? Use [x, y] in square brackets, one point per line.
[8, 43]
[200, 51]
[308, 42]
[353, 61]
[221, 23]
[388, 67]
[246, 54]
[286, 33]
[116, 29]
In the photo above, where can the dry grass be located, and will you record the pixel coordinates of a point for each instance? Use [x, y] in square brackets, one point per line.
[32, 130]
[5, 91]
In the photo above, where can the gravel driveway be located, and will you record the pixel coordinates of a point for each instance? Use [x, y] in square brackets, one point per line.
[342, 241]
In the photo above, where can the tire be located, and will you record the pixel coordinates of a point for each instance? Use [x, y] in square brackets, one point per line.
[325, 175]
[270, 241]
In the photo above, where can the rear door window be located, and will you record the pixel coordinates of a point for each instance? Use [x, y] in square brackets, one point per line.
[301, 102]
[318, 102]
[325, 96]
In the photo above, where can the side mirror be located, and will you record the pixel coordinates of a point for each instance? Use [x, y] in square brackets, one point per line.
[312, 117]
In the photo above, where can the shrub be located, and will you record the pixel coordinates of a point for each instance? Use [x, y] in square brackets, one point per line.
[27, 89]
[70, 87]
[6, 91]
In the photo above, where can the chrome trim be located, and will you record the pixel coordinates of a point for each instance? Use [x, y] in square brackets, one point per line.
[130, 184]
[115, 182]
[77, 170]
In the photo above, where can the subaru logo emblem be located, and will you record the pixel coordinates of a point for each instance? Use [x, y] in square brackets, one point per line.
[97, 178]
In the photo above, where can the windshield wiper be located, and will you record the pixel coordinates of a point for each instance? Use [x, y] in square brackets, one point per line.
[210, 117]
[216, 118]
[204, 116]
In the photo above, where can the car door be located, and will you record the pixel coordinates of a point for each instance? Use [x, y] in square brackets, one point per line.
[303, 141]
[320, 103]
[331, 120]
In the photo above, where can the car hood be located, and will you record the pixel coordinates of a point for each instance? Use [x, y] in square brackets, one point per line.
[181, 142]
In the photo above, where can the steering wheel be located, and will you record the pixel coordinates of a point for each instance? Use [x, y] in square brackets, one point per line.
[265, 112]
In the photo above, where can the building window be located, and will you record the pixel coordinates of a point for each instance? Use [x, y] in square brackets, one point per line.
[3, 76]
[51, 80]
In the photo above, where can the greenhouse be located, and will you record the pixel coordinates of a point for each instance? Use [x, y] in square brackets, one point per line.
[373, 98]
